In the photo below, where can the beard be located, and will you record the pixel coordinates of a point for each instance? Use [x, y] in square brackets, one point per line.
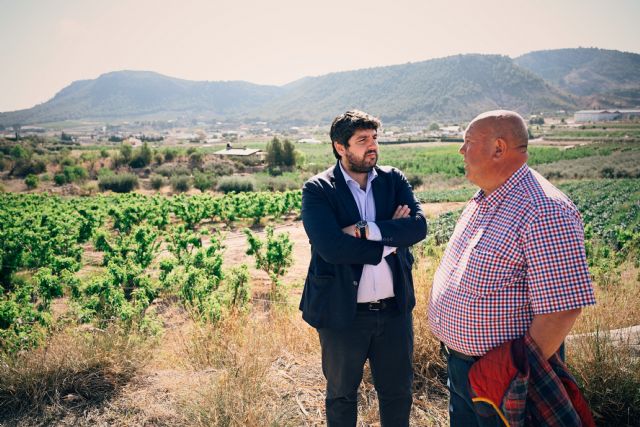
[362, 164]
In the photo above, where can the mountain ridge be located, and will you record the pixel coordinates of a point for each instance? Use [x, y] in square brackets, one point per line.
[450, 88]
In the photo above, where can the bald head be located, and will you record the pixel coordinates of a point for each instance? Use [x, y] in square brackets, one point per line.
[504, 124]
[495, 146]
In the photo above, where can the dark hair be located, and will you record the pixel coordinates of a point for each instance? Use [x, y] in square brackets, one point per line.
[345, 125]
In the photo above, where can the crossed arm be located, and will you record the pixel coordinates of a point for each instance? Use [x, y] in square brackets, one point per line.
[408, 226]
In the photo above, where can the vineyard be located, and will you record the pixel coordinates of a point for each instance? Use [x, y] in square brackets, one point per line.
[149, 246]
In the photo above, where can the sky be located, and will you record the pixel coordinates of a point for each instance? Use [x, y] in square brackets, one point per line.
[47, 44]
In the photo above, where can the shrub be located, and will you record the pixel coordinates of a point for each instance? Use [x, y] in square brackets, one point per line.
[121, 183]
[59, 179]
[23, 167]
[195, 160]
[170, 154]
[157, 181]
[282, 183]
[75, 173]
[202, 181]
[275, 171]
[71, 174]
[274, 255]
[32, 181]
[180, 183]
[172, 170]
[235, 184]
[141, 157]
[415, 180]
[220, 168]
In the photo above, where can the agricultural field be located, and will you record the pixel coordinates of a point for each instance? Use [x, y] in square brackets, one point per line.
[177, 305]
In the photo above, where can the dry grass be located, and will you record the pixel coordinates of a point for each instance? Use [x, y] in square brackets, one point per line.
[607, 371]
[75, 370]
[252, 359]
[616, 307]
[609, 376]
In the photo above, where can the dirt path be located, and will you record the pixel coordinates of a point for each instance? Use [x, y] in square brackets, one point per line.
[236, 247]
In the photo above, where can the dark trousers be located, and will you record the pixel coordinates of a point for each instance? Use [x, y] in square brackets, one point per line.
[461, 412]
[386, 339]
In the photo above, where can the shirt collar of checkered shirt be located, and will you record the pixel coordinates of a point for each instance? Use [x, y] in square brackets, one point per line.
[499, 194]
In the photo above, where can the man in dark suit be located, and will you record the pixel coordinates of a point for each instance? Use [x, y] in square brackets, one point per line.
[361, 219]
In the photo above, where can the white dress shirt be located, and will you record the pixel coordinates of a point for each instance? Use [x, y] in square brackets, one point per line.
[376, 282]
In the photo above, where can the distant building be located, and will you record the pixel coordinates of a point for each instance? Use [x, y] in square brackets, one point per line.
[309, 141]
[240, 152]
[583, 116]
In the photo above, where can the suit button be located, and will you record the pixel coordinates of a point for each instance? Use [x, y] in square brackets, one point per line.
[355, 283]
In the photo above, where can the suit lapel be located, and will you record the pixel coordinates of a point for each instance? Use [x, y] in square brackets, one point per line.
[344, 195]
[380, 195]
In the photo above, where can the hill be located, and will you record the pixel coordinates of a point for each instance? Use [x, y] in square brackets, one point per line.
[129, 94]
[605, 77]
[452, 88]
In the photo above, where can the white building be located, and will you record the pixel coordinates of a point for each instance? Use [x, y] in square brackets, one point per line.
[583, 116]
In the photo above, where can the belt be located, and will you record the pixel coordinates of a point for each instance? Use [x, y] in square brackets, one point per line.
[379, 305]
[451, 352]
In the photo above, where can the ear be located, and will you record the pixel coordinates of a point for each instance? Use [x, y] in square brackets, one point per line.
[339, 148]
[500, 146]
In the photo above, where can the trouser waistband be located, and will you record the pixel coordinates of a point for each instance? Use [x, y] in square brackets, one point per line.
[451, 352]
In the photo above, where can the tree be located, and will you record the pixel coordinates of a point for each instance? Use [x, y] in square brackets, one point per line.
[126, 152]
[288, 153]
[274, 153]
[536, 120]
[142, 157]
[434, 126]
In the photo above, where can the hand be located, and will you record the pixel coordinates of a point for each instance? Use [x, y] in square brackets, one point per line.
[350, 230]
[402, 211]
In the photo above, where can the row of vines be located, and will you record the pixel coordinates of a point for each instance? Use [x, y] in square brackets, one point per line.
[149, 246]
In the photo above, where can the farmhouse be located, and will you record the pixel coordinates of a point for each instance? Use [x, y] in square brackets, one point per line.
[241, 152]
[604, 115]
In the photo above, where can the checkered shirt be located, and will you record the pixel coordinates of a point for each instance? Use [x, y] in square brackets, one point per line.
[515, 253]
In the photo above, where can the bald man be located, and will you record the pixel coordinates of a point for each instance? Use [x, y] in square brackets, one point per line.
[514, 264]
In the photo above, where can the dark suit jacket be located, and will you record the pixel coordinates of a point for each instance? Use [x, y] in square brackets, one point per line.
[331, 287]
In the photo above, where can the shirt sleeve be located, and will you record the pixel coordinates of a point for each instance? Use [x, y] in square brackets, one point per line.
[557, 271]
[376, 235]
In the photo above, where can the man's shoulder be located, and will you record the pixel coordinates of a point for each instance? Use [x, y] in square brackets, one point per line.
[389, 171]
[543, 197]
[321, 179]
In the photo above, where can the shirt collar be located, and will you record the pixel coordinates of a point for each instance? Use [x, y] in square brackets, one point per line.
[370, 177]
[499, 194]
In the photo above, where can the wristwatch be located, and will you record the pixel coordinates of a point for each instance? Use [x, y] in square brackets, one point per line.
[361, 229]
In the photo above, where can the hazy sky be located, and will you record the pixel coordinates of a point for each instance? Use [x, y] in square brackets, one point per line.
[47, 44]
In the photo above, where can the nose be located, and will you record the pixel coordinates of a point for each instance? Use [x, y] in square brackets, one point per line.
[463, 148]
